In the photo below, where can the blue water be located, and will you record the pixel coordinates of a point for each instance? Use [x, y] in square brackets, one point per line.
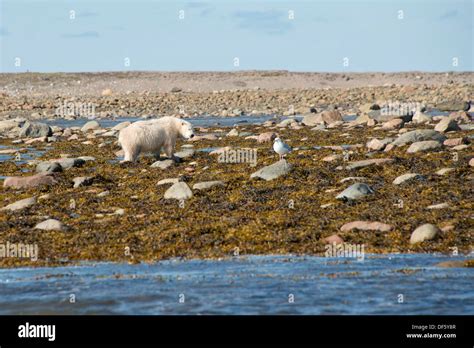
[244, 285]
[196, 121]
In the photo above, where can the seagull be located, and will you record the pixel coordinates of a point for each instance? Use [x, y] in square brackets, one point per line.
[281, 148]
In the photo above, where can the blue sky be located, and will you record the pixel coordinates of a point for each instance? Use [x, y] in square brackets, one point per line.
[106, 35]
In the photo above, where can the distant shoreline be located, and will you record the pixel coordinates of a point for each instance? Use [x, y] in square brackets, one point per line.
[162, 82]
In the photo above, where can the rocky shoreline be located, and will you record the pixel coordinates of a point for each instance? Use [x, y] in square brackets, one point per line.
[392, 183]
[146, 94]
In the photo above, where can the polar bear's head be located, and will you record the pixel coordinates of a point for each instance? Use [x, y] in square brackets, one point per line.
[186, 129]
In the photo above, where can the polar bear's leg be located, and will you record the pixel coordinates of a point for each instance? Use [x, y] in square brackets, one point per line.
[130, 153]
[169, 150]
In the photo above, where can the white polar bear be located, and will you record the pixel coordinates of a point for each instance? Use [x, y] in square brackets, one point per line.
[152, 135]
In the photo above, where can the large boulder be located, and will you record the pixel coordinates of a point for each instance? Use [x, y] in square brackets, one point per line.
[424, 146]
[179, 191]
[446, 125]
[35, 130]
[423, 233]
[355, 191]
[273, 171]
[418, 135]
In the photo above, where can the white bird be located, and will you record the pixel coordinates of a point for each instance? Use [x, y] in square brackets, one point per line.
[281, 148]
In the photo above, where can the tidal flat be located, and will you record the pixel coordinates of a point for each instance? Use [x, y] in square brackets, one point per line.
[120, 214]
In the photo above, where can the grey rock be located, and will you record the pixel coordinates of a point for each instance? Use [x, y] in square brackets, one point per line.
[424, 146]
[82, 181]
[418, 135]
[179, 191]
[424, 232]
[355, 191]
[163, 164]
[273, 171]
[407, 177]
[50, 225]
[186, 153]
[68, 163]
[49, 167]
[21, 204]
[91, 125]
[167, 181]
[446, 125]
[35, 130]
[207, 185]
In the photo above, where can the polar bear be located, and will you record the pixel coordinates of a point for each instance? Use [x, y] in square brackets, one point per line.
[152, 135]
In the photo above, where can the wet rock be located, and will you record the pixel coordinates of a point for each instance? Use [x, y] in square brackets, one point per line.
[207, 185]
[355, 191]
[176, 90]
[163, 164]
[273, 171]
[50, 225]
[29, 181]
[366, 226]
[35, 130]
[48, 167]
[423, 233]
[446, 125]
[424, 146]
[21, 204]
[89, 126]
[82, 181]
[418, 135]
[406, 178]
[179, 191]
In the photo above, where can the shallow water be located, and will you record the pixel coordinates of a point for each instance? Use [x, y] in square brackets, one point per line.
[245, 285]
[196, 121]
